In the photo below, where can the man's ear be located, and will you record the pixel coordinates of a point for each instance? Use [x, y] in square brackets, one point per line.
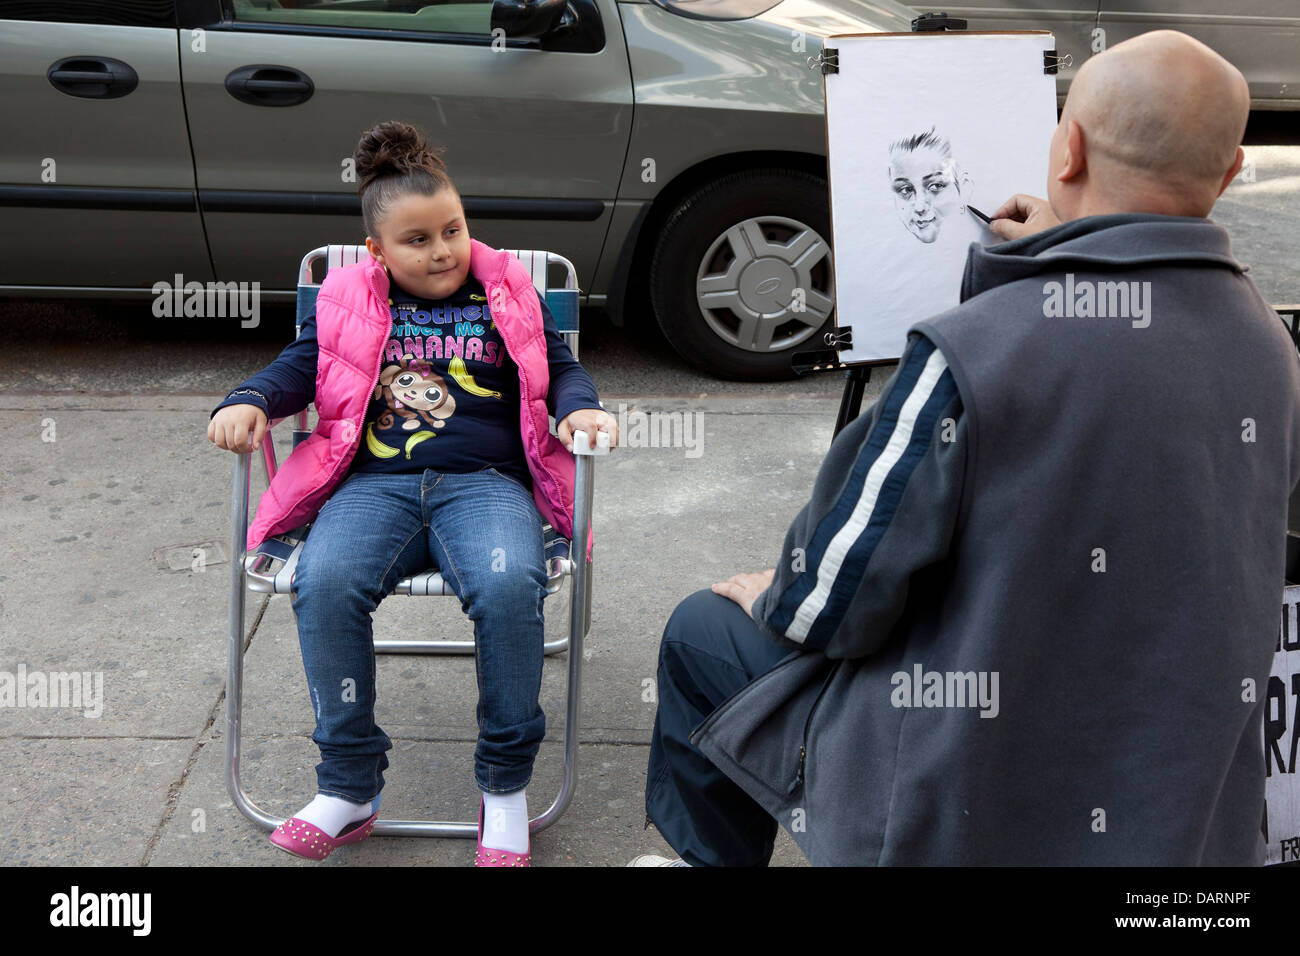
[1073, 162]
[1232, 173]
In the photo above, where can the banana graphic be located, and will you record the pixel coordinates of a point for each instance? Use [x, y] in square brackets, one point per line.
[415, 440]
[456, 369]
[378, 448]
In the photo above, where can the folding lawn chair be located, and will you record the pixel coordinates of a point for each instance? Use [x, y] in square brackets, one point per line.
[270, 569]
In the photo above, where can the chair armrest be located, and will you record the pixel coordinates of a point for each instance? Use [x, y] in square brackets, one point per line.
[582, 444]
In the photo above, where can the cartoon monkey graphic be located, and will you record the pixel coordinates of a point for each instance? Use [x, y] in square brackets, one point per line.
[416, 392]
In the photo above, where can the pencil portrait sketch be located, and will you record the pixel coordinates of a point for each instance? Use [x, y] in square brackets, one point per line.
[927, 183]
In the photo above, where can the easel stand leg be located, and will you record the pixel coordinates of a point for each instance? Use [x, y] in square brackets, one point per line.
[855, 386]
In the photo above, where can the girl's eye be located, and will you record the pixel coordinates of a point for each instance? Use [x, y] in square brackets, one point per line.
[432, 394]
[405, 380]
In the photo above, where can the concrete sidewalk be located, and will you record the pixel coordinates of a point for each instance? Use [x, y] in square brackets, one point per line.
[99, 522]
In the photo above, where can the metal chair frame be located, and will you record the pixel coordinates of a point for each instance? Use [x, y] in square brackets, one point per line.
[270, 569]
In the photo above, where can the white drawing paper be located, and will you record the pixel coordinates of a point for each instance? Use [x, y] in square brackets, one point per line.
[918, 128]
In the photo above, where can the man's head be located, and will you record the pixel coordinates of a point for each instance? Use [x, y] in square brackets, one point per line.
[926, 183]
[1151, 125]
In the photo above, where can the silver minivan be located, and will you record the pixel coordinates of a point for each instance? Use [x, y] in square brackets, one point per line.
[674, 151]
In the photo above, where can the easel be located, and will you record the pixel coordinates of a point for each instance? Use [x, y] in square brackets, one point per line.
[1291, 312]
[857, 376]
[855, 386]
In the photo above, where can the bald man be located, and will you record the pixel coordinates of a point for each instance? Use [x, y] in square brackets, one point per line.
[1028, 614]
[1152, 126]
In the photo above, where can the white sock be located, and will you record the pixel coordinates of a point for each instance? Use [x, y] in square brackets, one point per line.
[505, 821]
[332, 814]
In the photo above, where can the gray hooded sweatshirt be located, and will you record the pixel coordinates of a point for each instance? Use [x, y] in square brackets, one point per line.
[1037, 584]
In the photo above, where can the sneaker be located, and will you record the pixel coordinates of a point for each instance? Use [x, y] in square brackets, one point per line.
[650, 859]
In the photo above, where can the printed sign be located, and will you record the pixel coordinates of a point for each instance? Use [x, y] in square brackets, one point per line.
[1281, 737]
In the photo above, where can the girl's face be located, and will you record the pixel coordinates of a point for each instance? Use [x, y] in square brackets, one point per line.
[424, 242]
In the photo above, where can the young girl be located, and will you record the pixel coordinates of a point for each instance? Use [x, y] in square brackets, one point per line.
[433, 367]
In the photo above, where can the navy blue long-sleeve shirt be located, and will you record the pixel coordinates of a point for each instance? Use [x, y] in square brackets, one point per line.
[448, 393]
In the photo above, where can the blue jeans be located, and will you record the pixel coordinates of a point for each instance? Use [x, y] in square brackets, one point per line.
[484, 533]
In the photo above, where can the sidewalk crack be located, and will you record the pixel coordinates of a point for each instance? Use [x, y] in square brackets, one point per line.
[201, 739]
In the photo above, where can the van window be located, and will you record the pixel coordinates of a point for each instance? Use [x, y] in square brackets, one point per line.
[474, 16]
[718, 9]
[136, 13]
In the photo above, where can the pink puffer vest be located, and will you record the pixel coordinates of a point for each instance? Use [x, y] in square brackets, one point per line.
[352, 324]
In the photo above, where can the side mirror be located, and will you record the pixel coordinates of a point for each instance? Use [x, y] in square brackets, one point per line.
[528, 18]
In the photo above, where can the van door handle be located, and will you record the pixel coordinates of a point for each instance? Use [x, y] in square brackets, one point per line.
[94, 77]
[266, 85]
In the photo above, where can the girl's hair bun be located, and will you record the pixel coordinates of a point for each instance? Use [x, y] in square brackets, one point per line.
[391, 148]
[392, 160]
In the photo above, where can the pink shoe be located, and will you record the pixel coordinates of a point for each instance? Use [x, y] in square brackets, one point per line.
[486, 856]
[312, 843]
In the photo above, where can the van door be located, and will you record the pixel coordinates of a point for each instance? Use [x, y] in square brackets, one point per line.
[96, 177]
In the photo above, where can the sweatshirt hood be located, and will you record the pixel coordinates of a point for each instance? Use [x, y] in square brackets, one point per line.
[1118, 240]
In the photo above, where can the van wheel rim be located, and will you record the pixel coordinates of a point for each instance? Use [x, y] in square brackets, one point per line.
[766, 284]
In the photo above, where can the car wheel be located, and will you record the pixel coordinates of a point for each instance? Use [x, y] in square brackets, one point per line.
[742, 276]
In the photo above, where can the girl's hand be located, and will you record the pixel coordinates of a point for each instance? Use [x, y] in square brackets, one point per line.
[230, 428]
[589, 420]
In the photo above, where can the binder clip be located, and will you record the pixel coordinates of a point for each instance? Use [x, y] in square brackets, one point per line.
[1051, 61]
[839, 340]
[828, 61]
[824, 359]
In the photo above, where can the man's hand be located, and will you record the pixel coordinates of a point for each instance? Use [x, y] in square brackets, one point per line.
[1023, 215]
[589, 420]
[744, 589]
